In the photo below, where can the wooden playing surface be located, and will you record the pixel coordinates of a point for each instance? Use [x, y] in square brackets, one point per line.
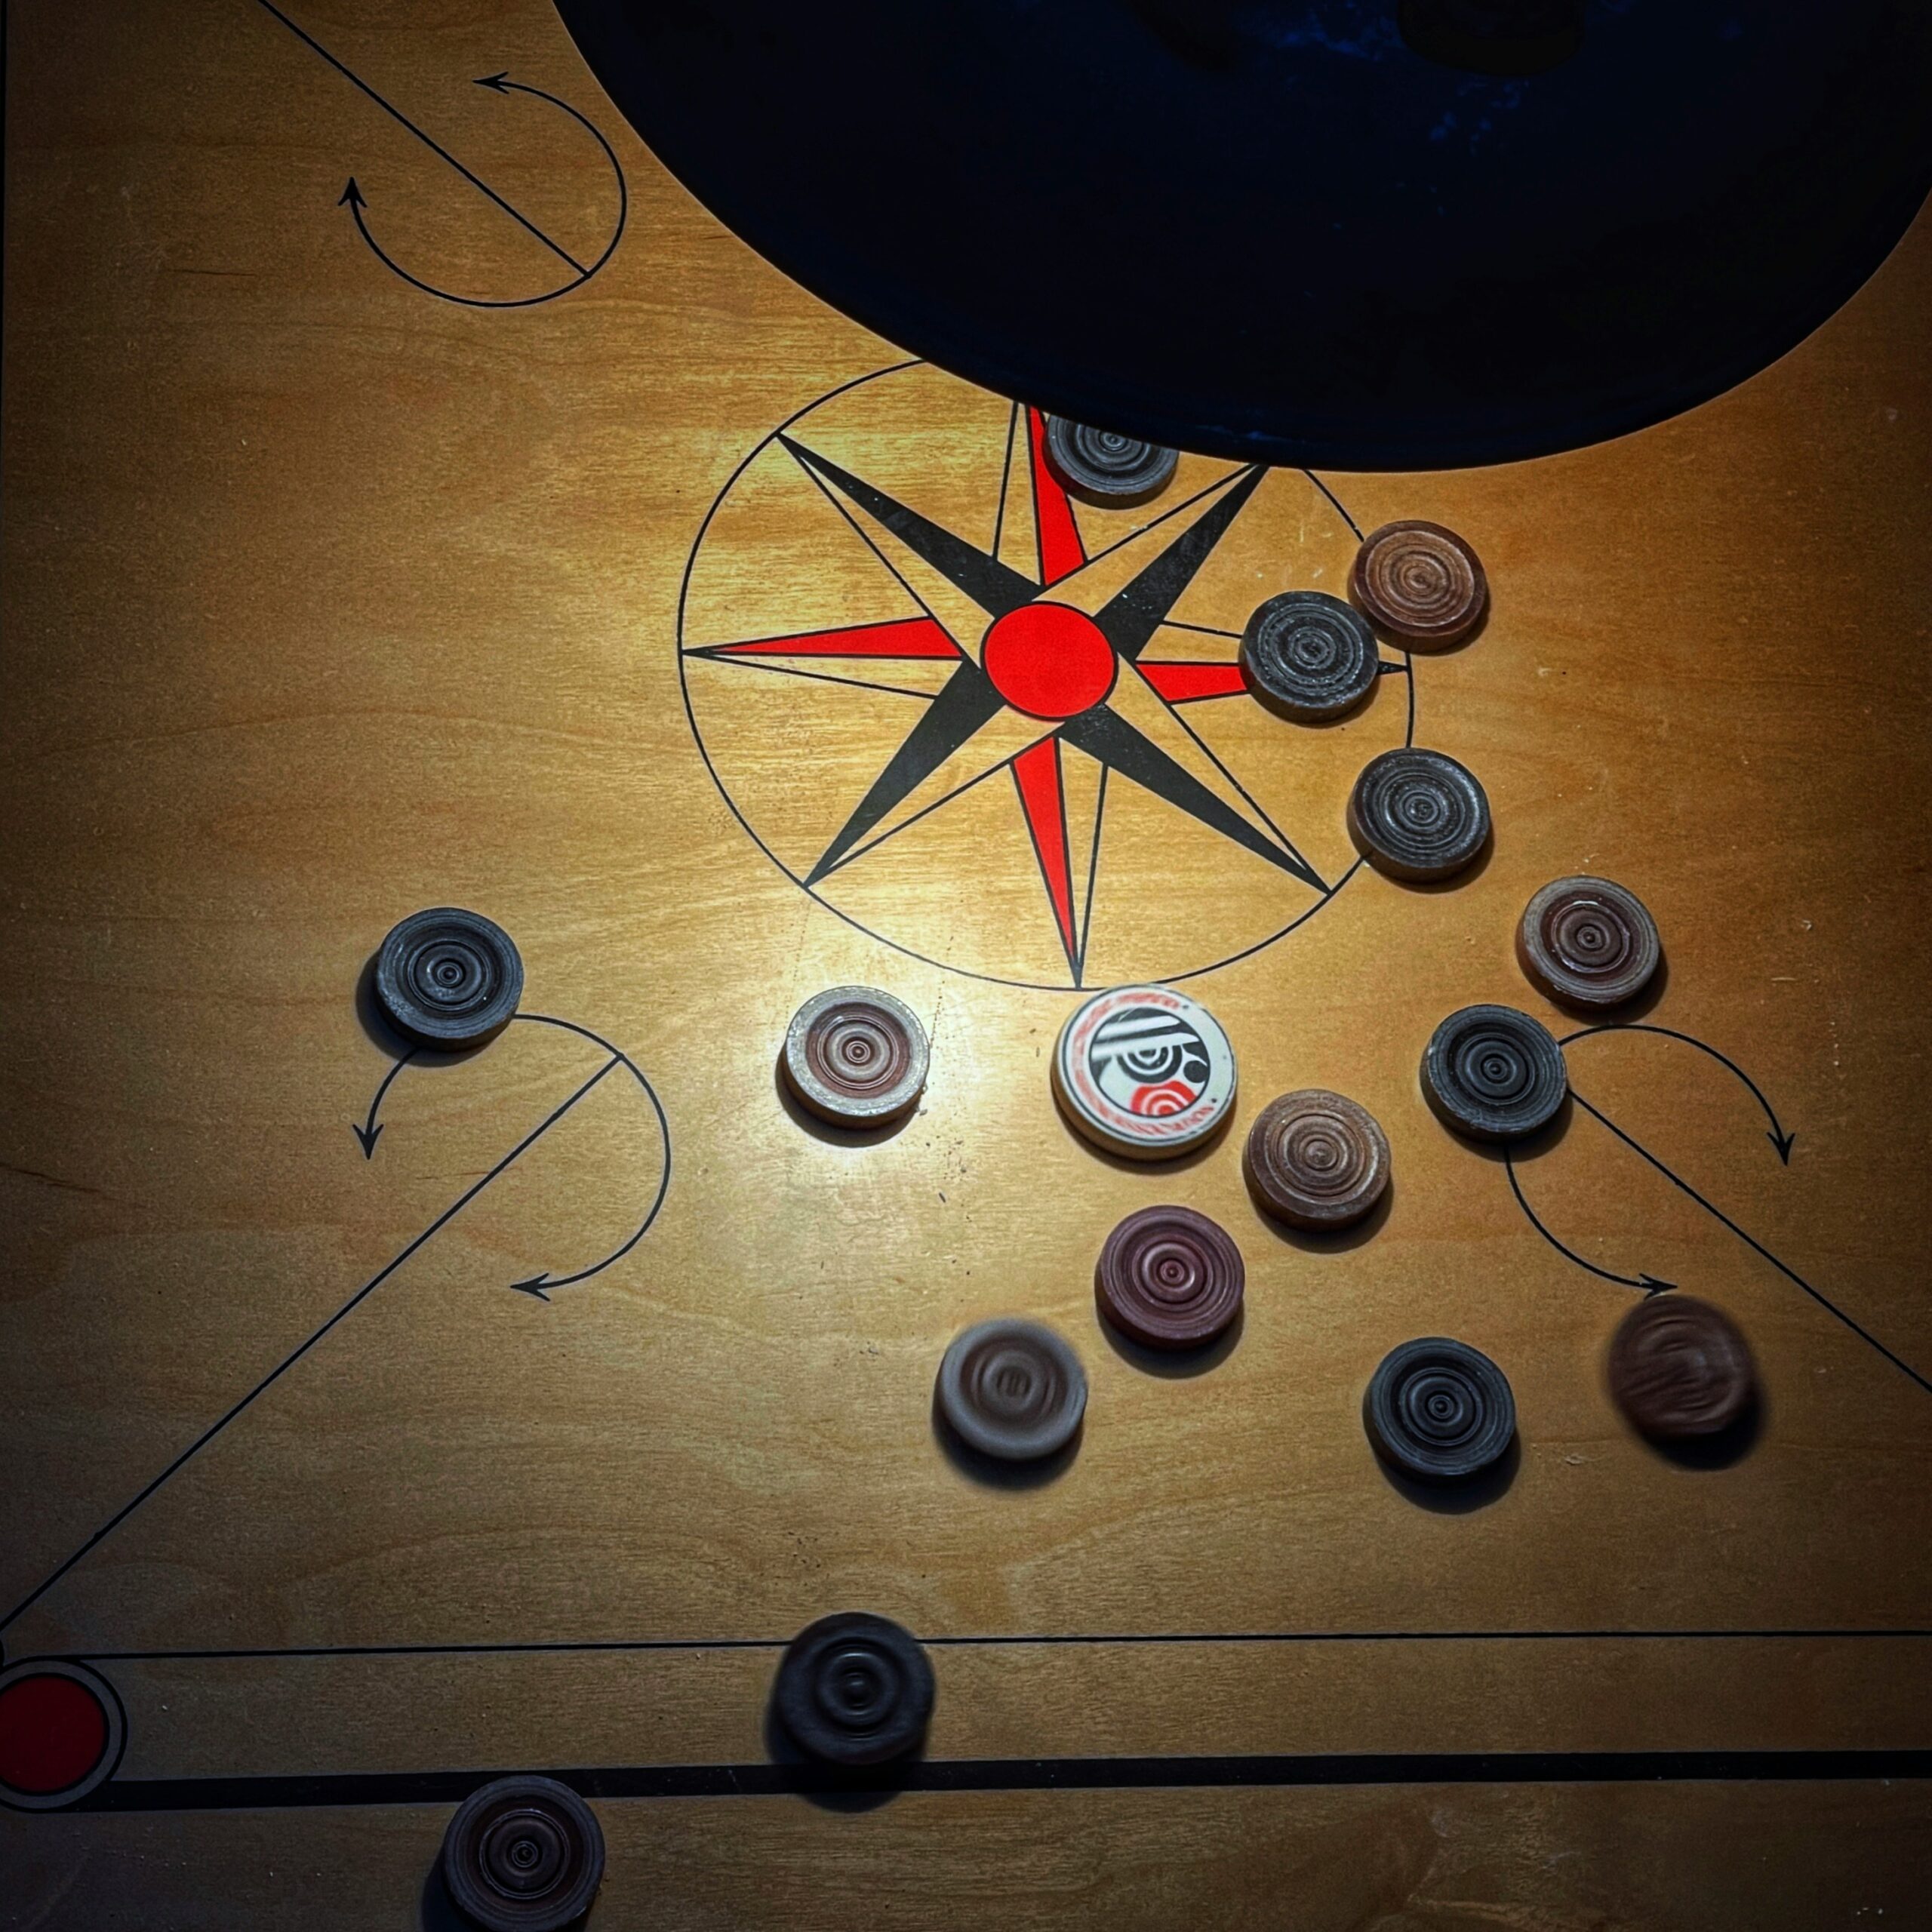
[327, 598]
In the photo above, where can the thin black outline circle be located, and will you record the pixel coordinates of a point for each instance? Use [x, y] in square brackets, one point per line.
[111, 1708]
[925, 959]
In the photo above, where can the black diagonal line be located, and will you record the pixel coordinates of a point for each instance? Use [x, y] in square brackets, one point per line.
[990, 584]
[1134, 614]
[1104, 734]
[1247, 797]
[965, 703]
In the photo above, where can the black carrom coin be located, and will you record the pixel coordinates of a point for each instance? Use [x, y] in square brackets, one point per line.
[1493, 1074]
[1418, 815]
[524, 1854]
[854, 1689]
[447, 978]
[1308, 655]
[1101, 467]
[1439, 1411]
[1364, 236]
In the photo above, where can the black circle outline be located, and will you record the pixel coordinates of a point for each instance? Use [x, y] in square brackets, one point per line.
[91, 1680]
[925, 959]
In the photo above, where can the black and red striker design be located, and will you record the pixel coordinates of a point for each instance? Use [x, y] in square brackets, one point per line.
[1056, 653]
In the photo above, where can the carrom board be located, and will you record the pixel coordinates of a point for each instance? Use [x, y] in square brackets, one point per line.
[413, 497]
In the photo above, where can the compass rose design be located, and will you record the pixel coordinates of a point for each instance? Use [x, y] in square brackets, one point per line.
[910, 667]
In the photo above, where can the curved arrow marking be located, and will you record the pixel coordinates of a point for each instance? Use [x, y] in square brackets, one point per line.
[1649, 1284]
[1776, 1137]
[370, 1130]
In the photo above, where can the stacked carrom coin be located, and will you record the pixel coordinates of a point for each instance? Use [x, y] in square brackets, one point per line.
[1439, 1411]
[1170, 1278]
[855, 1057]
[1316, 1160]
[1588, 942]
[448, 979]
[1418, 815]
[1144, 1072]
[1679, 1370]
[1104, 467]
[1308, 655]
[854, 1689]
[1013, 1390]
[524, 1854]
[1493, 1073]
[1419, 584]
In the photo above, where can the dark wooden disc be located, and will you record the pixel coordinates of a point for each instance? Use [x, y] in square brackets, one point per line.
[524, 1854]
[1493, 1073]
[1418, 815]
[1308, 655]
[1316, 1160]
[1439, 1411]
[1170, 1278]
[855, 1057]
[1101, 467]
[448, 979]
[1419, 584]
[1588, 942]
[1013, 1389]
[1679, 1369]
[854, 1689]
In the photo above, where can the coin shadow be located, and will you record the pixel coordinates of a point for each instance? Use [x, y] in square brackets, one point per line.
[1458, 1498]
[369, 1015]
[1526, 1147]
[1334, 1240]
[1174, 1364]
[830, 1787]
[1728, 1447]
[990, 1471]
[1430, 887]
[824, 1130]
[1177, 1164]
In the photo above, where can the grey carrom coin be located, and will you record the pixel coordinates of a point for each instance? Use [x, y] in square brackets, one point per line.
[855, 1057]
[1309, 657]
[854, 1689]
[523, 1854]
[1418, 815]
[1439, 1411]
[1012, 1389]
[448, 979]
[1493, 1073]
[1102, 467]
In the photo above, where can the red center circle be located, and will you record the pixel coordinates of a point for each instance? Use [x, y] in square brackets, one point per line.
[1049, 661]
[52, 1732]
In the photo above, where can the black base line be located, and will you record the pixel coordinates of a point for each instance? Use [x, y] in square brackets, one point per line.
[1178, 1639]
[1823, 1300]
[964, 1774]
[289, 1361]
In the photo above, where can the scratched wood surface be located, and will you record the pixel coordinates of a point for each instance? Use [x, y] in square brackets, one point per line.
[327, 598]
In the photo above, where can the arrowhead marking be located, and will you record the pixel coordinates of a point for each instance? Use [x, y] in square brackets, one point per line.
[368, 1135]
[1782, 1142]
[495, 81]
[352, 196]
[1652, 1286]
[534, 1286]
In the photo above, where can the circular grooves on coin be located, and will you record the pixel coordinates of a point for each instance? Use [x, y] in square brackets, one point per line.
[1102, 467]
[448, 979]
[1309, 657]
[1493, 1073]
[1679, 1369]
[1315, 1159]
[1419, 584]
[1170, 1278]
[1012, 1389]
[855, 1057]
[524, 1854]
[1418, 815]
[1588, 942]
[854, 1689]
[1439, 1411]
